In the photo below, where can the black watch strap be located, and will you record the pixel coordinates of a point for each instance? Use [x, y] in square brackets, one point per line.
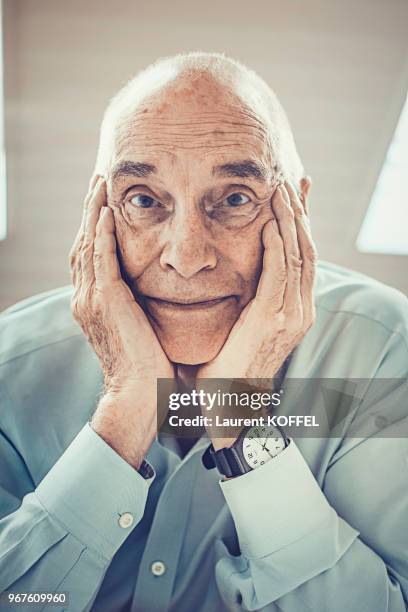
[229, 461]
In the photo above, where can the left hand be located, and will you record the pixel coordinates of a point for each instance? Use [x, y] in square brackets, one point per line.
[282, 311]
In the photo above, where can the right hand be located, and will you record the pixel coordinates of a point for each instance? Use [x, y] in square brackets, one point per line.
[129, 352]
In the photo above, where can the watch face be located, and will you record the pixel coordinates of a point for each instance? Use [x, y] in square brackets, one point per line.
[261, 444]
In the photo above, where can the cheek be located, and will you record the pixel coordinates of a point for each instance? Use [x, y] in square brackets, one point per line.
[137, 247]
[243, 250]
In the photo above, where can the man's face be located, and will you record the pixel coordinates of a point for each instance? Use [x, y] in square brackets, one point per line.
[191, 183]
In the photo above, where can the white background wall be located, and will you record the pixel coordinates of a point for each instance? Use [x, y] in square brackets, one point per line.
[339, 67]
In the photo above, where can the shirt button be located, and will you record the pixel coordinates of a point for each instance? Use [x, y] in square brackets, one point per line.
[125, 520]
[158, 568]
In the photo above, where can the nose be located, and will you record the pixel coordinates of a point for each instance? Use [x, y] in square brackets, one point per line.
[188, 247]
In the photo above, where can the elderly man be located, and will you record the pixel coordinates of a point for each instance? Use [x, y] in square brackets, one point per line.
[195, 260]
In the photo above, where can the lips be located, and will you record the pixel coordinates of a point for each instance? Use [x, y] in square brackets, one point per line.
[188, 305]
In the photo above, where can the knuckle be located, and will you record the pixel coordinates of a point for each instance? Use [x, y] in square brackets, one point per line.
[295, 261]
[86, 311]
[84, 305]
[97, 258]
[309, 276]
[87, 242]
[309, 280]
[87, 246]
[72, 257]
[311, 253]
[297, 206]
[280, 274]
[294, 283]
[288, 210]
[86, 254]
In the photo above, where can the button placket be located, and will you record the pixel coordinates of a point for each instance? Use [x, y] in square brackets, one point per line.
[169, 518]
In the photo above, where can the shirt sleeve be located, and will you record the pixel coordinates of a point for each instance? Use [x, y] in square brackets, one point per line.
[65, 532]
[252, 504]
[340, 544]
[298, 552]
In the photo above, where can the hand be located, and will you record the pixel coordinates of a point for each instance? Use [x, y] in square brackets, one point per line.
[283, 310]
[128, 350]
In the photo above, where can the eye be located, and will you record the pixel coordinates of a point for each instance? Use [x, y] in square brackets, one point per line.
[143, 201]
[233, 209]
[237, 199]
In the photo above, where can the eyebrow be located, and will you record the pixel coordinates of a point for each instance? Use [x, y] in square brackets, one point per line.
[131, 168]
[242, 169]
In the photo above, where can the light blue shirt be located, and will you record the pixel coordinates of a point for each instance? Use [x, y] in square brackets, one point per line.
[322, 527]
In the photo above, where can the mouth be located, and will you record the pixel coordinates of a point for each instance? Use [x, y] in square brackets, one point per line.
[188, 304]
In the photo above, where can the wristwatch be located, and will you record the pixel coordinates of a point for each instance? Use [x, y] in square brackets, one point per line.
[254, 447]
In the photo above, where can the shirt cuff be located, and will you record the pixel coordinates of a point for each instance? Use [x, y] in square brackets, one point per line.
[276, 504]
[95, 493]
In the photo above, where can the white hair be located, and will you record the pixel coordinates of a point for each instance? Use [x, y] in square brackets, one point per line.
[244, 82]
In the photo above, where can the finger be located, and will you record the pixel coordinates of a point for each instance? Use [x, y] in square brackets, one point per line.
[74, 254]
[93, 181]
[105, 261]
[308, 254]
[92, 185]
[96, 202]
[272, 283]
[286, 221]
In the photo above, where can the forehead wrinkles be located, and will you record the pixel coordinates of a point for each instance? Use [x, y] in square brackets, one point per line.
[198, 130]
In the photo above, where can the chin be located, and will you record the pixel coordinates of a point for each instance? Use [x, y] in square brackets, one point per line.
[191, 348]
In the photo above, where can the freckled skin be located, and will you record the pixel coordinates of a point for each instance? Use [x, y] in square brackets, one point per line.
[191, 245]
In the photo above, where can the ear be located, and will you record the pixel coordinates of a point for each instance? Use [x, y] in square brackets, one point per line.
[305, 185]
